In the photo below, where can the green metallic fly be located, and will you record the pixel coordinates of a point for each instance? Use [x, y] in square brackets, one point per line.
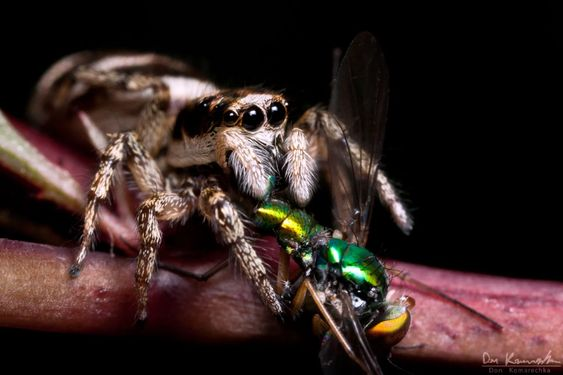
[346, 281]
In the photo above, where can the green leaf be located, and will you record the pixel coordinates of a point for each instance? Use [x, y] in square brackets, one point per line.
[23, 159]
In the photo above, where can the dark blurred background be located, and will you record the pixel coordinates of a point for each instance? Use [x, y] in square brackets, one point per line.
[475, 102]
[475, 94]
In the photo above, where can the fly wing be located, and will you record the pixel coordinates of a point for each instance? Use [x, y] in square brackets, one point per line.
[357, 335]
[355, 132]
[350, 327]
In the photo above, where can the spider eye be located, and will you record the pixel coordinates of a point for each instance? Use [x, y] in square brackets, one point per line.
[252, 118]
[276, 113]
[230, 117]
[204, 105]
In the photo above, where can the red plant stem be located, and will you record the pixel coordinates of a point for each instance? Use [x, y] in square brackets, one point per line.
[530, 311]
[36, 293]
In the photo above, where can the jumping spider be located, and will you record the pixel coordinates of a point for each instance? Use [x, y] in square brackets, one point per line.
[185, 122]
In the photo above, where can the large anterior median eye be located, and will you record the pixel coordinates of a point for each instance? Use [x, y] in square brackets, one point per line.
[252, 118]
[276, 113]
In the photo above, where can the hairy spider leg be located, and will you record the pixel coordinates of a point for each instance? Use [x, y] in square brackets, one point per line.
[225, 221]
[316, 121]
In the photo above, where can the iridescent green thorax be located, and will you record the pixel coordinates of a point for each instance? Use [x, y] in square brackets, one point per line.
[357, 265]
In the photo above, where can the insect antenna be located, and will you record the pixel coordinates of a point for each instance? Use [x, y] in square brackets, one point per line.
[397, 367]
[427, 288]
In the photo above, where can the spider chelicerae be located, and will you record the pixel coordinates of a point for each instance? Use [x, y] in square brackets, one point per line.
[176, 123]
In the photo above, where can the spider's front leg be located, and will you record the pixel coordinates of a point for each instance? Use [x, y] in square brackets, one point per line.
[225, 220]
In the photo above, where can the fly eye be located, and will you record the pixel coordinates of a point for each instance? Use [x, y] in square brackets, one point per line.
[276, 113]
[230, 117]
[390, 332]
[252, 118]
[394, 325]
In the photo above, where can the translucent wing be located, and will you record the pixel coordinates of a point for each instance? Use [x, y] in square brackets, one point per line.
[350, 327]
[354, 134]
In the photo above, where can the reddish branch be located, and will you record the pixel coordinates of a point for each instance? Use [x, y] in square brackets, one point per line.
[36, 293]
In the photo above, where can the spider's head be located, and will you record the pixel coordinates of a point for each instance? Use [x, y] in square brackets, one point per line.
[239, 129]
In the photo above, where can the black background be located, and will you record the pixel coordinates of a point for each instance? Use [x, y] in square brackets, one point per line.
[475, 96]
